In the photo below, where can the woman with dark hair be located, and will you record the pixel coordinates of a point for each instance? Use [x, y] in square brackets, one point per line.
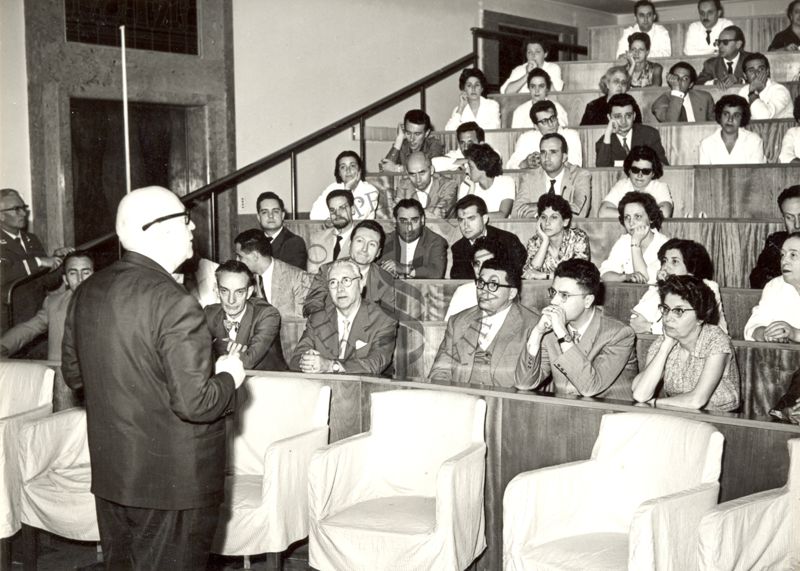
[472, 106]
[486, 179]
[678, 258]
[642, 168]
[790, 148]
[788, 39]
[615, 80]
[634, 256]
[693, 357]
[539, 86]
[535, 52]
[349, 174]
[731, 144]
[643, 72]
[555, 240]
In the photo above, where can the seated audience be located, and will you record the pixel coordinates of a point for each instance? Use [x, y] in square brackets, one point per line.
[467, 134]
[555, 239]
[575, 347]
[634, 256]
[349, 173]
[776, 318]
[377, 284]
[466, 295]
[683, 103]
[413, 135]
[790, 148]
[436, 192]
[554, 175]
[642, 169]
[472, 106]
[624, 132]
[519, 79]
[539, 86]
[701, 36]
[787, 409]
[486, 179]
[694, 358]
[412, 250]
[473, 222]
[350, 334]
[678, 258]
[614, 81]
[283, 286]
[481, 345]
[643, 72]
[645, 13]
[789, 39]
[768, 99]
[725, 69]
[286, 245]
[240, 324]
[544, 116]
[768, 265]
[731, 144]
[328, 244]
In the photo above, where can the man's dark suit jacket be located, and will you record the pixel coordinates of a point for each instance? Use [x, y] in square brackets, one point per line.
[768, 265]
[642, 135]
[13, 258]
[596, 112]
[715, 68]
[462, 253]
[259, 329]
[379, 286]
[370, 344]
[290, 248]
[139, 346]
[430, 256]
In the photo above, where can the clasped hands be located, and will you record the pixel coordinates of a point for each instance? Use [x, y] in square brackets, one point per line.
[312, 362]
[554, 319]
[781, 332]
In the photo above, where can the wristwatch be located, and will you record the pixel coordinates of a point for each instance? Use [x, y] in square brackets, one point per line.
[567, 338]
[336, 367]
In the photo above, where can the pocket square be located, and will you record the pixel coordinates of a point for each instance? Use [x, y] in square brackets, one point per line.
[360, 344]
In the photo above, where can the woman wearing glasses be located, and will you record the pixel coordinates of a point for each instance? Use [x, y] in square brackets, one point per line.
[615, 80]
[643, 72]
[694, 357]
[643, 169]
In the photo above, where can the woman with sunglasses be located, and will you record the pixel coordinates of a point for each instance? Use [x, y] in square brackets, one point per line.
[643, 72]
[642, 168]
[694, 357]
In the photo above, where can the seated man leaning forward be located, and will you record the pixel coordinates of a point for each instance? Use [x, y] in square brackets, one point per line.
[574, 346]
[350, 335]
[413, 250]
[239, 324]
[481, 344]
[436, 192]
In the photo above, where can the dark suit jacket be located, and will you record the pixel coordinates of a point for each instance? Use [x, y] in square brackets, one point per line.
[667, 108]
[430, 257]
[139, 346]
[596, 112]
[456, 354]
[13, 258]
[462, 252]
[259, 329]
[370, 344]
[642, 135]
[576, 188]
[768, 265]
[290, 248]
[602, 364]
[380, 290]
[715, 68]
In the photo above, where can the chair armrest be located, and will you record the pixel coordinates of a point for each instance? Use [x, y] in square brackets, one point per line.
[286, 464]
[335, 474]
[663, 531]
[753, 532]
[57, 440]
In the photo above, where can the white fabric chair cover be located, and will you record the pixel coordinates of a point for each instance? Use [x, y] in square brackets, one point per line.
[760, 531]
[26, 392]
[278, 423]
[57, 477]
[408, 494]
[635, 504]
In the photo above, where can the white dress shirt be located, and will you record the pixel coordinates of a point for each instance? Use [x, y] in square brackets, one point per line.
[266, 281]
[779, 302]
[687, 104]
[660, 44]
[774, 102]
[490, 327]
[790, 148]
[521, 119]
[521, 71]
[503, 188]
[733, 63]
[528, 142]
[749, 149]
[619, 258]
[488, 116]
[696, 44]
[365, 197]
[407, 251]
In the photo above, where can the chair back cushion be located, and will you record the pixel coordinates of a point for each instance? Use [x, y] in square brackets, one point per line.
[24, 386]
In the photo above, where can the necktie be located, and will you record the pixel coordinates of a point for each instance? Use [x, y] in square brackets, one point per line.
[337, 249]
[576, 337]
[730, 67]
[484, 333]
[625, 145]
[262, 293]
[231, 327]
[708, 37]
[269, 240]
[552, 189]
[20, 243]
[343, 339]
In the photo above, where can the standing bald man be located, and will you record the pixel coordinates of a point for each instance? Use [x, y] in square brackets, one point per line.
[138, 345]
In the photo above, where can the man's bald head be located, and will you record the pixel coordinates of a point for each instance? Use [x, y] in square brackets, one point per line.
[419, 170]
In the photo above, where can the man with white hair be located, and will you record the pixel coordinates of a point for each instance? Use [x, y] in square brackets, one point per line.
[138, 345]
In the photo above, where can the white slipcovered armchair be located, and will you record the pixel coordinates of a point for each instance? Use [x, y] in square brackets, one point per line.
[760, 531]
[408, 494]
[278, 423]
[634, 505]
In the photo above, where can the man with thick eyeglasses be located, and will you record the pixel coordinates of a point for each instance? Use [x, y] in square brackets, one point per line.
[725, 70]
[575, 348]
[481, 344]
[683, 103]
[623, 133]
[545, 118]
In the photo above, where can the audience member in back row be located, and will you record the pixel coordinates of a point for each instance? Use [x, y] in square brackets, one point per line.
[539, 86]
[776, 318]
[623, 133]
[349, 173]
[481, 345]
[683, 103]
[693, 357]
[473, 222]
[790, 147]
[285, 244]
[466, 295]
[731, 144]
[436, 192]
[413, 250]
[472, 106]
[467, 134]
[413, 135]
[328, 244]
[768, 99]
[486, 179]
[725, 70]
[614, 81]
[519, 81]
[555, 240]
[701, 36]
[642, 169]
[643, 72]
[645, 13]
[545, 118]
[678, 258]
[789, 38]
[575, 346]
[634, 256]
[768, 265]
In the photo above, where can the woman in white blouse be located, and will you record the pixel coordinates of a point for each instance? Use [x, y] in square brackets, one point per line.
[472, 106]
[486, 179]
[790, 149]
[349, 173]
[535, 52]
[539, 86]
[643, 169]
[634, 256]
[731, 144]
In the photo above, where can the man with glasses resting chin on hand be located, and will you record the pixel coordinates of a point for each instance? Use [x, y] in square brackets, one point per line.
[575, 347]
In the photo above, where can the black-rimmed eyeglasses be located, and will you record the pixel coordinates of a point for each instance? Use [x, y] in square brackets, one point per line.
[17, 209]
[185, 215]
[491, 286]
[562, 295]
[676, 311]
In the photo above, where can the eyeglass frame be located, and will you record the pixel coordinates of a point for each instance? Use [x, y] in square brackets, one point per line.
[17, 209]
[185, 214]
[637, 170]
[491, 287]
[678, 312]
[346, 281]
[565, 295]
[548, 120]
[724, 42]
